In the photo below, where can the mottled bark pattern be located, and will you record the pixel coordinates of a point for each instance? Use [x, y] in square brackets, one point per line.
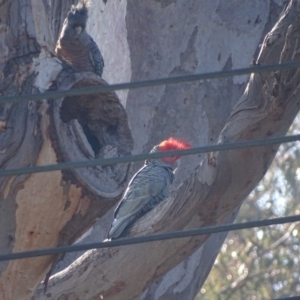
[50, 209]
[214, 191]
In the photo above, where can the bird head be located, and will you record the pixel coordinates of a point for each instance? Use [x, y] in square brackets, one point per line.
[78, 15]
[172, 144]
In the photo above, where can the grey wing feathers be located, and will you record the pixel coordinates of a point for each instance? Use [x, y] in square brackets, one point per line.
[96, 58]
[146, 190]
[139, 194]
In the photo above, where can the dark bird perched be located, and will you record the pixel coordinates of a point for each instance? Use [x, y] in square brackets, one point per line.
[75, 45]
[148, 187]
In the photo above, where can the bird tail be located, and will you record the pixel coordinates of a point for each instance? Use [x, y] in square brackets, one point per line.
[118, 226]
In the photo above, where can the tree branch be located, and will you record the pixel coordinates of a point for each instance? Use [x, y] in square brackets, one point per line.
[211, 193]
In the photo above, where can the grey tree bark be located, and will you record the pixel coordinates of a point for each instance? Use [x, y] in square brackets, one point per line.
[142, 40]
[184, 280]
[168, 108]
[50, 209]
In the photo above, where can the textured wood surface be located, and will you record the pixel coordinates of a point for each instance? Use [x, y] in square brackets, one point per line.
[217, 186]
[50, 209]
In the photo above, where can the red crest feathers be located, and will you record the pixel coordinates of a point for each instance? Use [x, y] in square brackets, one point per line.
[172, 144]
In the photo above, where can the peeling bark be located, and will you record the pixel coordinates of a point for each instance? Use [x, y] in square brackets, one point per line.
[50, 209]
[211, 195]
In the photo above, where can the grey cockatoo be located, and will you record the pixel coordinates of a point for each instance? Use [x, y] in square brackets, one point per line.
[75, 45]
[149, 186]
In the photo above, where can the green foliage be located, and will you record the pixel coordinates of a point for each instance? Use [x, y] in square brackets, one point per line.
[263, 263]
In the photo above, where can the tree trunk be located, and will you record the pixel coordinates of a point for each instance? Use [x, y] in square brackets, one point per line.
[214, 191]
[139, 40]
[50, 209]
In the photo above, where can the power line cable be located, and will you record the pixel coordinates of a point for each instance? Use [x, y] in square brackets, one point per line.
[289, 298]
[104, 162]
[131, 158]
[150, 238]
[148, 83]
